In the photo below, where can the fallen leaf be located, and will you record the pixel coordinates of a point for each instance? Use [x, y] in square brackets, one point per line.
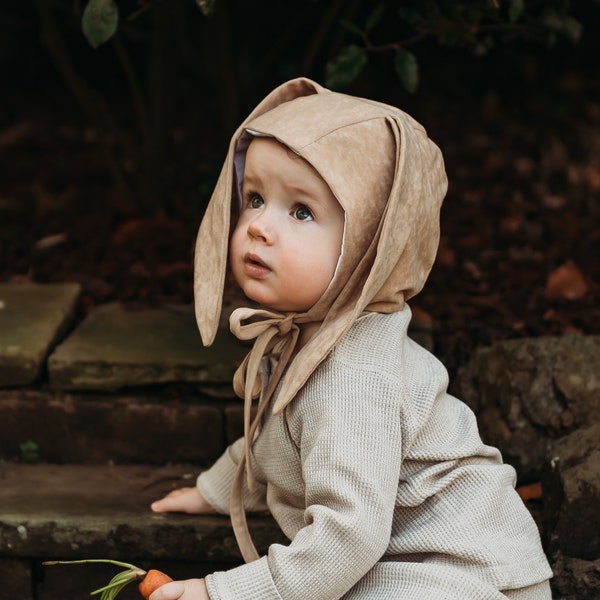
[592, 178]
[124, 232]
[421, 316]
[446, 256]
[533, 491]
[566, 283]
[560, 321]
[50, 241]
[15, 134]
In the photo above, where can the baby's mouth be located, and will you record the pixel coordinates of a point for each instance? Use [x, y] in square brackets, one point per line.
[254, 260]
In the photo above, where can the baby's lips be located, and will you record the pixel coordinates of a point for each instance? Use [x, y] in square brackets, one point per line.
[254, 259]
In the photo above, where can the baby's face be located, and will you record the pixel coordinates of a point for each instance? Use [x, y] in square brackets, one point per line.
[288, 238]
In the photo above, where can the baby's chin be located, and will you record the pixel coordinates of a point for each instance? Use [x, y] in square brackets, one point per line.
[281, 307]
[259, 300]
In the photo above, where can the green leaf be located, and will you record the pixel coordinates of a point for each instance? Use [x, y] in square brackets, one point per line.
[552, 20]
[407, 69]
[345, 67]
[561, 24]
[483, 45]
[351, 27]
[30, 451]
[412, 16]
[106, 561]
[206, 6]
[515, 10]
[116, 584]
[375, 16]
[572, 28]
[99, 21]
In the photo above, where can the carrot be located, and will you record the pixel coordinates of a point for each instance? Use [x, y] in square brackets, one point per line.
[152, 581]
[149, 580]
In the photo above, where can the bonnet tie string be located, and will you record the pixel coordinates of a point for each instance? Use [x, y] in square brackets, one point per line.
[270, 331]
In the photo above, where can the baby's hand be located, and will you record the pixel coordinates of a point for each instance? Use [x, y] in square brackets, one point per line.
[192, 589]
[186, 500]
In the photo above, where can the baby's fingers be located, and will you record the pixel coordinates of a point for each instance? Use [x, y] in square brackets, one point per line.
[192, 589]
[186, 500]
[181, 500]
[169, 591]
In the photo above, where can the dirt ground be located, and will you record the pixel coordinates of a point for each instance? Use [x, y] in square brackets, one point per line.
[520, 233]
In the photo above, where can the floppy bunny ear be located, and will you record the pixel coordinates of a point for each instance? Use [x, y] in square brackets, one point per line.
[410, 230]
[210, 260]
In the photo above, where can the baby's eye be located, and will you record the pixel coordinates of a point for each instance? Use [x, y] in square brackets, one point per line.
[255, 201]
[303, 214]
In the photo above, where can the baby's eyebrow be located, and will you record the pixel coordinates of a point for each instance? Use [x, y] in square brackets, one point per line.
[251, 178]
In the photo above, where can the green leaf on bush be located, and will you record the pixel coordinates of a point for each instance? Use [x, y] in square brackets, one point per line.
[99, 21]
[345, 67]
[483, 45]
[562, 24]
[351, 27]
[516, 10]
[206, 6]
[407, 69]
[375, 16]
[572, 28]
[550, 19]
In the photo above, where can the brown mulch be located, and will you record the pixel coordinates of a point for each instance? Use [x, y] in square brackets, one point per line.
[520, 232]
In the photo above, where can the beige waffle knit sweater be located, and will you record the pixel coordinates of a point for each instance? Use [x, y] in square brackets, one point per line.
[382, 484]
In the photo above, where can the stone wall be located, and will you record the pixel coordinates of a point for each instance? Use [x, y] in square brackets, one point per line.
[538, 400]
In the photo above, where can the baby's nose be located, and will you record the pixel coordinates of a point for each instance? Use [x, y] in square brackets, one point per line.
[262, 227]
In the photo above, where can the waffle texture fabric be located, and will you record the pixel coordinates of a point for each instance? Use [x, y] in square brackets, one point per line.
[383, 486]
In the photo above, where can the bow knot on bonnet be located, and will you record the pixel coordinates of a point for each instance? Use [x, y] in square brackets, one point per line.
[389, 178]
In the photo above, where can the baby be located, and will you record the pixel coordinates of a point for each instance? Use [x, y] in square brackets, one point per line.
[376, 475]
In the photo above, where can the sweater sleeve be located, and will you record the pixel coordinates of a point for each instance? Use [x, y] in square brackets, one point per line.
[215, 483]
[347, 429]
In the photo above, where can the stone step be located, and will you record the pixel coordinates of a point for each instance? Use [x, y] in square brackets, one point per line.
[153, 426]
[50, 512]
[114, 347]
[33, 317]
